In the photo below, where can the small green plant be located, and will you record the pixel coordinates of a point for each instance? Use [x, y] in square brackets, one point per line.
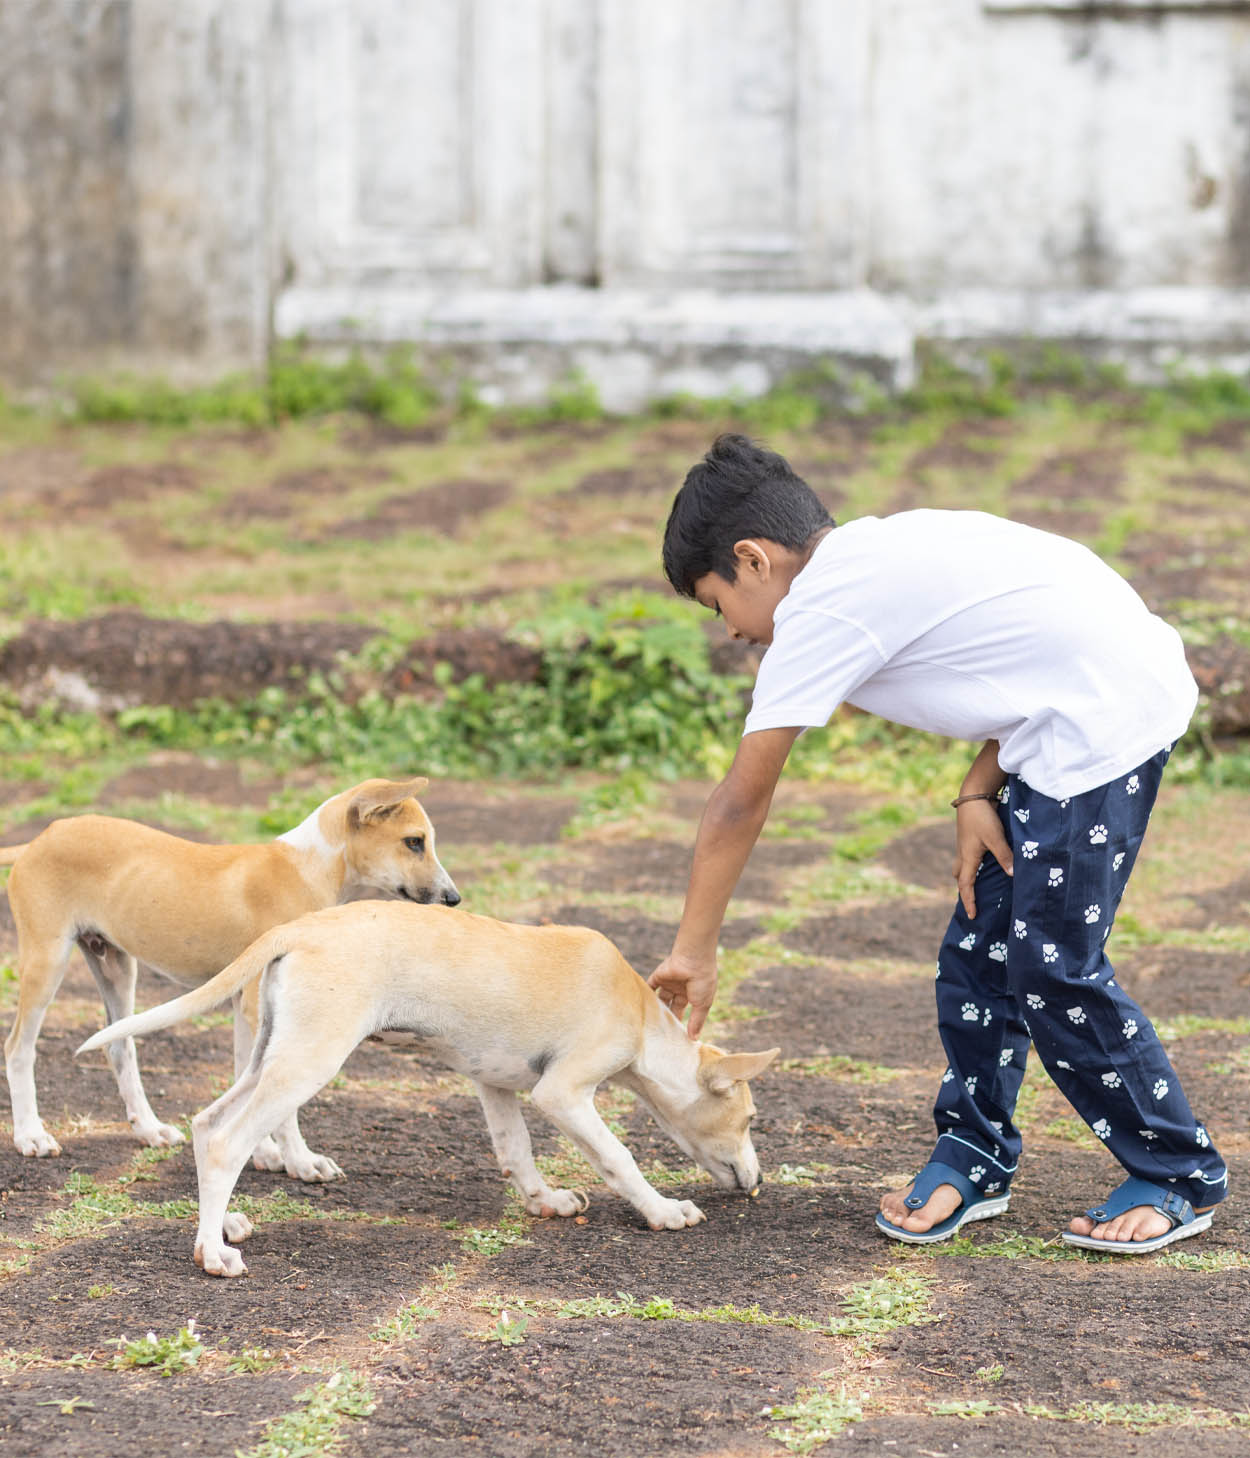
[97, 1293]
[884, 1304]
[815, 1417]
[964, 1408]
[252, 1359]
[165, 1355]
[488, 1241]
[508, 1331]
[315, 1428]
[991, 1374]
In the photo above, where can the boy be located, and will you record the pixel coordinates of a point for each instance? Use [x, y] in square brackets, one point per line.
[966, 625]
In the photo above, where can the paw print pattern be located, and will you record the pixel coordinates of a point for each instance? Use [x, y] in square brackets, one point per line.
[1029, 850]
[1118, 861]
[1022, 816]
[998, 951]
[1055, 876]
[969, 941]
[1021, 929]
[1050, 952]
[948, 1075]
[1160, 1089]
[1130, 1028]
[1132, 784]
[977, 1173]
[1004, 795]
[971, 1012]
[1147, 1134]
[1112, 1079]
[1102, 1129]
[1203, 1138]
[1098, 835]
[1092, 913]
[1062, 1063]
[1035, 1002]
[1004, 1058]
[1076, 1015]
[993, 1187]
[970, 1083]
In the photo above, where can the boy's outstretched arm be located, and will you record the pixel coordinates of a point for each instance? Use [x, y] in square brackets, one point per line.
[731, 823]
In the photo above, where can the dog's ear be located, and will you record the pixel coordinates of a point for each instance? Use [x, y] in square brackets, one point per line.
[720, 1074]
[385, 800]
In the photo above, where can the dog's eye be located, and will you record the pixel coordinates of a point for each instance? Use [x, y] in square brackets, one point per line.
[416, 844]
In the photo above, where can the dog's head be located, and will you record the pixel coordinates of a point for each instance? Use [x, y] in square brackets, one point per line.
[715, 1127]
[388, 845]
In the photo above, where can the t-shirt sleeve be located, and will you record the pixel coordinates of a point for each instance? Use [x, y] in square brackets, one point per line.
[813, 663]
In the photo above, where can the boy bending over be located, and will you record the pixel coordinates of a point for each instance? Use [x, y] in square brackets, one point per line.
[967, 625]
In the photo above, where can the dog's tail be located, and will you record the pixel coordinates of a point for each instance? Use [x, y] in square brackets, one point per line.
[248, 965]
[10, 853]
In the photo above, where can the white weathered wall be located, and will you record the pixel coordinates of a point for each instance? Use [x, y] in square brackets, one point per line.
[659, 191]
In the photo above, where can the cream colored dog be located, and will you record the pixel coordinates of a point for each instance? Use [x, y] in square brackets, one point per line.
[553, 1009]
[127, 894]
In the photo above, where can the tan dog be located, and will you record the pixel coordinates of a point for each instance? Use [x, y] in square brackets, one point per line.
[553, 1009]
[126, 893]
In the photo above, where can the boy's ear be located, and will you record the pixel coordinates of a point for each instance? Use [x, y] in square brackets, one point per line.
[751, 555]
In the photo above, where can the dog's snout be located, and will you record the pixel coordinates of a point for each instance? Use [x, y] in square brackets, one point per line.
[451, 897]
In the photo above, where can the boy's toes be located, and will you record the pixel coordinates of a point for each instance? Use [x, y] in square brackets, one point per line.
[944, 1201]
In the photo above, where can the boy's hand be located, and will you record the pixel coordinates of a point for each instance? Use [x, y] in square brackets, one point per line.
[978, 830]
[683, 983]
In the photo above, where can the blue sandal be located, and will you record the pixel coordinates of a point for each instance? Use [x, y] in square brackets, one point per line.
[1134, 1192]
[976, 1205]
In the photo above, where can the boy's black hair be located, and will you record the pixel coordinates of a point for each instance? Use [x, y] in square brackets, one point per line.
[737, 490]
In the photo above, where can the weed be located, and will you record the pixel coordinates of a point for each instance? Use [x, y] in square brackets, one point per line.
[800, 1174]
[841, 1068]
[315, 1429]
[165, 1355]
[96, 1293]
[964, 1408]
[508, 1331]
[251, 1359]
[991, 1374]
[1014, 1247]
[489, 1241]
[1140, 1417]
[883, 1304]
[1213, 1260]
[814, 1417]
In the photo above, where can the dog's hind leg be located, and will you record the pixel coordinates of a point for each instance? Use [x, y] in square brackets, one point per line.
[116, 973]
[285, 1148]
[571, 1108]
[40, 973]
[516, 1156]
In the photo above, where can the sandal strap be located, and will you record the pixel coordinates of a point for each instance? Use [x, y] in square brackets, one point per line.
[936, 1173]
[1133, 1192]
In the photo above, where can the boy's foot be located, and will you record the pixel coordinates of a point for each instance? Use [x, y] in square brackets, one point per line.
[1142, 1222]
[940, 1205]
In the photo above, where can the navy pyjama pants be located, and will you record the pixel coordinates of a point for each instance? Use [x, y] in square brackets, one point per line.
[1030, 967]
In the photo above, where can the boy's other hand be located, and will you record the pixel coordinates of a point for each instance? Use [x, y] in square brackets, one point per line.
[978, 832]
[683, 983]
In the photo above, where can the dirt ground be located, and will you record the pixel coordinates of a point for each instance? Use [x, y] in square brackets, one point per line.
[1017, 1331]
[222, 562]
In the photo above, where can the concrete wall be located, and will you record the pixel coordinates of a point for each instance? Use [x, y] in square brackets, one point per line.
[657, 191]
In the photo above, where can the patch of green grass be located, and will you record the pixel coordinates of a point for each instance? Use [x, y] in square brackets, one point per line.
[963, 1407]
[1013, 1247]
[814, 1418]
[317, 1427]
[874, 1308]
[488, 1240]
[166, 1356]
[251, 1359]
[1140, 1417]
[508, 1331]
[1213, 1260]
[840, 1068]
[663, 1308]
[993, 1373]
[1185, 1025]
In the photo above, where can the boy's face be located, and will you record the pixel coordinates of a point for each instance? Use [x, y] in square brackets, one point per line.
[748, 603]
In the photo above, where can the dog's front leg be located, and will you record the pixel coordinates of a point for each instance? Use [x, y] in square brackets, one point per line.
[516, 1156]
[573, 1112]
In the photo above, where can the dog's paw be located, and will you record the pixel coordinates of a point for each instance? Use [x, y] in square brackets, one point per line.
[159, 1136]
[37, 1145]
[674, 1215]
[267, 1155]
[235, 1227]
[558, 1202]
[219, 1259]
[313, 1168]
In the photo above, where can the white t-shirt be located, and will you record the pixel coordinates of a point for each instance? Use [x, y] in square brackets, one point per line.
[967, 625]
